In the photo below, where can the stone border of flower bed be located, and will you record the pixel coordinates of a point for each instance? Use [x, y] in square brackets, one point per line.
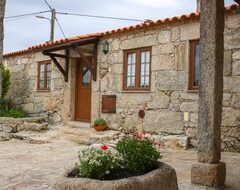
[162, 178]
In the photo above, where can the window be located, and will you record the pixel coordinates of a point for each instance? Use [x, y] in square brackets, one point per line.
[137, 66]
[44, 75]
[194, 65]
[86, 76]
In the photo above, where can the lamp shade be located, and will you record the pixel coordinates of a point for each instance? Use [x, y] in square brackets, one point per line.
[105, 47]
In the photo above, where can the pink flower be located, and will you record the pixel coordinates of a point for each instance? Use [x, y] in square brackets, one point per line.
[104, 147]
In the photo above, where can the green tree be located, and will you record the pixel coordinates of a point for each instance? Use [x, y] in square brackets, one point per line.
[2, 12]
[5, 80]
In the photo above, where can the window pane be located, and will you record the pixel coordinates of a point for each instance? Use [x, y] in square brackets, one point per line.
[129, 58]
[142, 83]
[86, 76]
[128, 82]
[147, 68]
[196, 65]
[147, 56]
[133, 70]
[42, 68]
[133, 82]
[147, 81]
[131, 61]
[41, 84]
[129, 70]
[133, 57]
[143, 57]
[49, 67]
[144, 69]
[48, 83]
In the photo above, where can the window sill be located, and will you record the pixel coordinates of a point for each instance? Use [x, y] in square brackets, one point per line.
[192, 91]
[42, 90]
[136, 91]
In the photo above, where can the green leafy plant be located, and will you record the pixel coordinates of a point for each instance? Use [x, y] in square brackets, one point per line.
[97, 163]
[5, 106]
[100, 121]
[5, 80]
[7, 109]
[139, 155]
[17, 113]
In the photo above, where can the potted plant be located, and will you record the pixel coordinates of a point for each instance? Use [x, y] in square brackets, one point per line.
[100, 124]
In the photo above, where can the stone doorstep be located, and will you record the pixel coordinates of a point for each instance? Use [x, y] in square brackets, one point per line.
[87, 135]
[78, 124]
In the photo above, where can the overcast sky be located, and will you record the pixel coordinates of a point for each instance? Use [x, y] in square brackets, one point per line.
[29, 31]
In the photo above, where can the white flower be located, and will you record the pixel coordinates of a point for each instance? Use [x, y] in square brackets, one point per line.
[107, 172]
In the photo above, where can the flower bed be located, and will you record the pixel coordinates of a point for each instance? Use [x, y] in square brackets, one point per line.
[162, 178]
[132, 164]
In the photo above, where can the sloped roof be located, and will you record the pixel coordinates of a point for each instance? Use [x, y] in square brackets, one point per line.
[174, 19]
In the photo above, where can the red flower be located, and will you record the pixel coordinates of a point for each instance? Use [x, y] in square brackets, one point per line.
[139, 136]
[156, 143]
[104, 147]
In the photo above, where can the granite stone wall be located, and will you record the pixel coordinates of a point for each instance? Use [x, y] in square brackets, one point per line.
[23, 90]
[170, 107]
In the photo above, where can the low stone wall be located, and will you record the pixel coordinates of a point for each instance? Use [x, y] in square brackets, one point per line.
[10, 126]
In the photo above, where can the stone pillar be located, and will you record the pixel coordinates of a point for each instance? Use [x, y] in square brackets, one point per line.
[209, 170]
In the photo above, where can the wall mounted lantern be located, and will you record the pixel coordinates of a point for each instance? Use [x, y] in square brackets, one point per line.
[105, 47]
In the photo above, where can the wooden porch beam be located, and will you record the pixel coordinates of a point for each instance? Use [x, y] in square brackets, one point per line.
[57, 55]
[86, 50]
[237, 1]
[66, 64]
[59, 66]
[55, 61]
[87, 63]
[95, 61]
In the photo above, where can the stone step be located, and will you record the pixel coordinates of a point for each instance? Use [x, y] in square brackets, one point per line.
[79, 124]
[86, 136]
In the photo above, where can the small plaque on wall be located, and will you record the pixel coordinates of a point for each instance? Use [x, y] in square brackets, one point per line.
[109, 104]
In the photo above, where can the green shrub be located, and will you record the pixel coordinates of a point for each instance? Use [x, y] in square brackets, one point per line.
[99, 122]
[7, 109]
[97, 163]
[17, 113]
[139, 155]
[5, 106]
[5, 80]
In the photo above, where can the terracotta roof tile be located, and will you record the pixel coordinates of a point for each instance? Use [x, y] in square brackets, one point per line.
[119, 30]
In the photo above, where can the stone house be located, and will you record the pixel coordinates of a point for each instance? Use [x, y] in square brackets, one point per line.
[151, 66]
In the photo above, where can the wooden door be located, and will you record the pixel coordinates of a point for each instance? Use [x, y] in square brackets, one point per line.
[83, 93]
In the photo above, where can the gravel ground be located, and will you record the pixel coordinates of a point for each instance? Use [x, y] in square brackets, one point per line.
[27, 166]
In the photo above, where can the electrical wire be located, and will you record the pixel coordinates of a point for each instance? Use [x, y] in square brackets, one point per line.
[48, 4]
[97, 16]
[12, 19]
[28, 14]
[60, 27]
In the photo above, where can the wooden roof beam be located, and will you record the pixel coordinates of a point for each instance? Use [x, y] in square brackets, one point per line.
[237, 1]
